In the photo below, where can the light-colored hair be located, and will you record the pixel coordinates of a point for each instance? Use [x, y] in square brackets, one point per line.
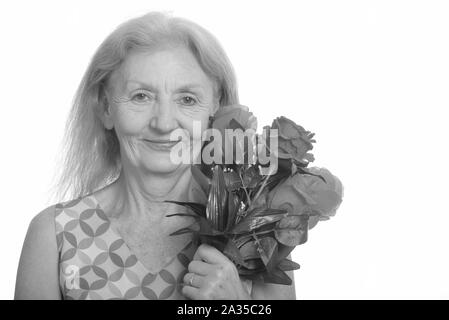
[90, 153]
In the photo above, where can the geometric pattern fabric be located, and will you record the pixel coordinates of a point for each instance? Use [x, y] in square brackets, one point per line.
[96, 263]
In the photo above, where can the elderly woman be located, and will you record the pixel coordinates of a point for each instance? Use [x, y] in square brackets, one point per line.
[151, 76]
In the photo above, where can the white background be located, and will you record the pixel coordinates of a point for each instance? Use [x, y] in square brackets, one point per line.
[370, 78]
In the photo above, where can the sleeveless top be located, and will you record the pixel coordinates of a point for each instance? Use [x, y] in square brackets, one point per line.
[96, 263]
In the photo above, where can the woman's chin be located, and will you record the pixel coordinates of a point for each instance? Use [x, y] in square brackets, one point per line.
[159, 166]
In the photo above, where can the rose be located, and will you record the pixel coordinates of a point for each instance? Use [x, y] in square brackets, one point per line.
[308, 194]
[248, 122]
[240, 113]
[293, 141]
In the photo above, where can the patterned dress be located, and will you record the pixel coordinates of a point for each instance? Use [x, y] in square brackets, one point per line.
[96, 263]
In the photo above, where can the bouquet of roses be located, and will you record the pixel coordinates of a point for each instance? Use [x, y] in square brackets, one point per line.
[258, 212]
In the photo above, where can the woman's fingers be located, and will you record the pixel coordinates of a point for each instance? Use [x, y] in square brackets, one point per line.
[200, 267]
[209, 254]
[193, 280]
[193, 293]
[211, 276]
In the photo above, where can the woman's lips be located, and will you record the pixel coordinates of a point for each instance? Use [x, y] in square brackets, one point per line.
[161, 145]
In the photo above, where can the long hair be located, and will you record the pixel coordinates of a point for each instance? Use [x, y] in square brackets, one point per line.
[90, 155]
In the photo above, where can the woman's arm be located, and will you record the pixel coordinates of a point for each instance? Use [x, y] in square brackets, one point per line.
[37, 275]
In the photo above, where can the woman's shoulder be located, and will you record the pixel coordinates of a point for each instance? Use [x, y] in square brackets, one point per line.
[44, 222]
[37, 270]
[42, 225]
[45, 214]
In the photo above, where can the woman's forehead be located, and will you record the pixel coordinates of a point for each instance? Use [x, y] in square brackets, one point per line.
[175, 67]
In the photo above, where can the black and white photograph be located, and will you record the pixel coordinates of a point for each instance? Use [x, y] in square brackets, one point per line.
[224, 150]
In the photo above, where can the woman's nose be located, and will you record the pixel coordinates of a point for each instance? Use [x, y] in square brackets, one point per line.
[164, 117]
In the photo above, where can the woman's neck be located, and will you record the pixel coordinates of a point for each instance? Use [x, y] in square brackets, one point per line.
[138, 195]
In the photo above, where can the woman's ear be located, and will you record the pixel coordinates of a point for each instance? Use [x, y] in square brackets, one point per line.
[107, 115]
[215, 106]
[104, 111]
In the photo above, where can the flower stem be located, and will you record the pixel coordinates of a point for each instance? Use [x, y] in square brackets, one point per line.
[262, 186]
[244, 188]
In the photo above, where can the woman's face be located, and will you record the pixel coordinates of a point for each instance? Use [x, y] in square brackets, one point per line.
[150, 96]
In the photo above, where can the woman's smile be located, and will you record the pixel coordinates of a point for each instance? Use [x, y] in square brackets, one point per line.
[160, 144]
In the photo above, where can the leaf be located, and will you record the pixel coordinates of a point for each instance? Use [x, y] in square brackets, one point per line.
[223, 200]
[233, 207]
[251, 219]
[206, 228]
[198, 208]
[249, 273]
[277, 276]
[263, 211]
[249, 250]
[265, 229]
[267, 250]
[260, 199]
[233, 253]
[217, 200]
[183, 215]
[217, 241]
[253, 275]
[288, 265]
[254, 265]
[241, 239]
[283, 251]
[182, 231]
[206, 169]
[251, 223]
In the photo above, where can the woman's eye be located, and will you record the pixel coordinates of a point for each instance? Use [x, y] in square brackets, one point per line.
[140, 97]
[188, 101]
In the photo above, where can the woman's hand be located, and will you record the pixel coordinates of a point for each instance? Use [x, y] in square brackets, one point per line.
[212, 276]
